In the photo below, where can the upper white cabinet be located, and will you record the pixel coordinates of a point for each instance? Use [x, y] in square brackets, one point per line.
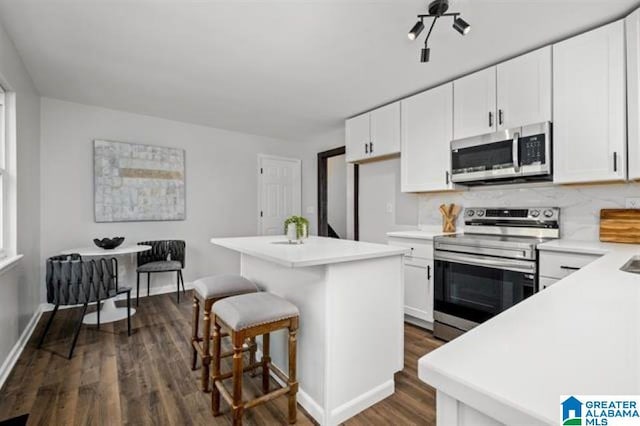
[633, 92]
[373, 134]
[524, 89]
[589, 106]
[427, 130]
[474, 104]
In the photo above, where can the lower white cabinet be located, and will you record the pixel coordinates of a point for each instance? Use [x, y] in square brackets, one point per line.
[546, 282]
[418, 289]
[418, 280]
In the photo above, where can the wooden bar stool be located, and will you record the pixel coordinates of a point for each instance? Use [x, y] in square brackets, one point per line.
[248, 316]
[209, 290]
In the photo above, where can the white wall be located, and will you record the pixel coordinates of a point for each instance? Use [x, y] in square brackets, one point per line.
[221, 182]
[337, 194]
[20, 286]
[382, 206]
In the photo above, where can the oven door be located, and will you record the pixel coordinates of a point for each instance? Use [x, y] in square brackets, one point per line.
[470, 289]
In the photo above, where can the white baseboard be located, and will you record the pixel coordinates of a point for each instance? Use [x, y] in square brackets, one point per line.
[46, 307]
[419, 322]
[362, 402]
[19, 346]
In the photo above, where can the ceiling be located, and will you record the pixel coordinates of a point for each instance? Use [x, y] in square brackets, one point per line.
[286, 69]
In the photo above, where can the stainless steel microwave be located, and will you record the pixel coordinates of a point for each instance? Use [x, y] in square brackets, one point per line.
[512, 155]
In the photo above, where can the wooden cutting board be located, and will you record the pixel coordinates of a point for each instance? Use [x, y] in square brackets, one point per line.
[620, 225]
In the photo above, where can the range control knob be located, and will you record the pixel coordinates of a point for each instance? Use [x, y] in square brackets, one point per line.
[534, 213]
[470, 213]
[480, 213]
[548, 213]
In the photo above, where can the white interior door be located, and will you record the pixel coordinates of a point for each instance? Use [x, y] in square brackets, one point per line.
[280, 192]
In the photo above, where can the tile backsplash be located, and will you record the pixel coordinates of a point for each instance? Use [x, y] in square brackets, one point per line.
[580, 214]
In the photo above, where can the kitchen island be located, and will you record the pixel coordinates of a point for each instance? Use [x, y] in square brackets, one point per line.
[580, 336]
[350, 297]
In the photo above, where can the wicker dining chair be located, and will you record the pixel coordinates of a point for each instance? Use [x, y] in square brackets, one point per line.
[72, 281]
[164, 256]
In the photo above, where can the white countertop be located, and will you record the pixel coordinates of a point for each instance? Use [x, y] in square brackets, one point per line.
[576, 246]
[314, 251]
[579, 336]
[424, 233]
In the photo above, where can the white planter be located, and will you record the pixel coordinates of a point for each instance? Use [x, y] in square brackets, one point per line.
[293, 236]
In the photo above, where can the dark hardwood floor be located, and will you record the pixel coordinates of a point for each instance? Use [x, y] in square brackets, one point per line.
[146, 378]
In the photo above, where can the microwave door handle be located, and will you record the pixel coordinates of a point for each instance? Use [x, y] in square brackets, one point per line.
[516, 157]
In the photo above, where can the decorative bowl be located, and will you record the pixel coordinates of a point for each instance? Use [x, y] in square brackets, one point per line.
[108, 243]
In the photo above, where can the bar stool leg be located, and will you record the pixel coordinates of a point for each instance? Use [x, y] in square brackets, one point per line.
[238, 406]
[215, 393]
[206, 332]
[293, 384]
[194, 331]
[266, 360]
[252, 354]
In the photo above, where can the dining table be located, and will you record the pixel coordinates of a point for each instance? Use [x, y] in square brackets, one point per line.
[109, 312]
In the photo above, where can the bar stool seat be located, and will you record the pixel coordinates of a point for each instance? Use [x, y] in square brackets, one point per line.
[255, 309]
[247, 316]
[224, 285]
[211, 289]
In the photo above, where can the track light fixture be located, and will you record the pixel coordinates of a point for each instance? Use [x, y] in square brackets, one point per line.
[437, 9]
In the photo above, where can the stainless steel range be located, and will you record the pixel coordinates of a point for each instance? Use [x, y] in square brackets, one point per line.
[489, 268]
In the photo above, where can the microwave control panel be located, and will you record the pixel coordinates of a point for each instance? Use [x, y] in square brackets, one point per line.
[532, 149]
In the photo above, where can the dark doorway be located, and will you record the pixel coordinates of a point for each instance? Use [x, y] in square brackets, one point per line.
[324, 226]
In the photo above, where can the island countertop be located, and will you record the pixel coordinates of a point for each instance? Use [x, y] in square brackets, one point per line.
[579, 336]
[315, 250]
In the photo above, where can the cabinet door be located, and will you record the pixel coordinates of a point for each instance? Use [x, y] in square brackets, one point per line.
[357, 138]
[385, 130]
[524, 89]
[418, 288]
[427, 130]
[589, 106]
[633, 92]
[546, 282]
[474, 104]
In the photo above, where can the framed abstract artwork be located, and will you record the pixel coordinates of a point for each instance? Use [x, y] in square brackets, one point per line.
[135, 182]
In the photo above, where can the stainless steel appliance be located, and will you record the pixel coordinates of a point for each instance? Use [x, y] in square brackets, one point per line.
[512, 155]
[489, 268]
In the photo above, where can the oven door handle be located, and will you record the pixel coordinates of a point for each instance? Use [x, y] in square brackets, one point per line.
[505, 264]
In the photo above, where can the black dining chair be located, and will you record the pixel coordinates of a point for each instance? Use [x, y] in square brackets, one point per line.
[72, 281]
[164, 256]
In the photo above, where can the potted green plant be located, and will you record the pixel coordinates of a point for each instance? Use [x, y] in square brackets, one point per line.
[296, 228]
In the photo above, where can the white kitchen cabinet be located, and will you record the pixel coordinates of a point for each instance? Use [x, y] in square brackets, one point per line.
[427, 130]
[633, 92]
[474, 104]
[373, 134]
[524, 89]
[418, 280]
[556, 264]
[546, 283]
[357, 135]
[589, 106]
[385, 130]
[418, 288]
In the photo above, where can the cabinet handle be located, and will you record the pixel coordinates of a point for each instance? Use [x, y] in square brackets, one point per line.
[490, 119]
[446, 175]
[615, 161]
[429, 272]
[500, 117]
[370, 147]
[366, 148]
[569, 268]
